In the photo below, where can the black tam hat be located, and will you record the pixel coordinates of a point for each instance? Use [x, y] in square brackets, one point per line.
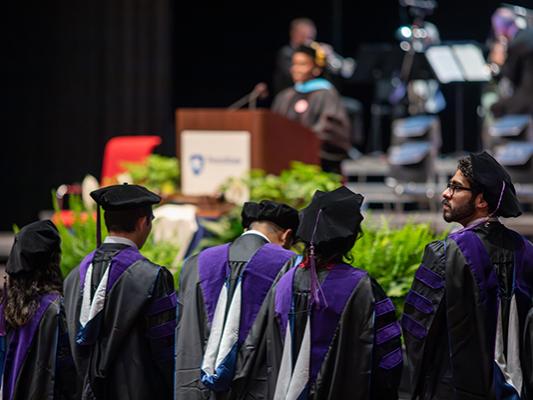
[340, 216]
[33, 247]
[280, 214]
[122, 197]
[493, 179]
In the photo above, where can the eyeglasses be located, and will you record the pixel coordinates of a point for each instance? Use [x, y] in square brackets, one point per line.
[452, 187]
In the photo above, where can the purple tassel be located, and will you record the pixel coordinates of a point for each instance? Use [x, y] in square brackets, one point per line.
[316, 288]
[499, 200]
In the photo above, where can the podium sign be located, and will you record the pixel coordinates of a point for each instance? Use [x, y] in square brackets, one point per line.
[209, 157]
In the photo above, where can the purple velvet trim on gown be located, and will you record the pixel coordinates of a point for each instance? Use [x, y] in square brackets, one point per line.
[257, 278]
[429, 278]
[163, 304]
[84, 266]
[413, 327]
[384, 306]
[388, 332]
[212, 270]
[338, 287]
[120, 263]
[20, 344]
[391, 360]
[484, 274]
[419, 302]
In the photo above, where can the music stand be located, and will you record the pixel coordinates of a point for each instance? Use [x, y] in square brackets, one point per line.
[376, 61]
[458, 62]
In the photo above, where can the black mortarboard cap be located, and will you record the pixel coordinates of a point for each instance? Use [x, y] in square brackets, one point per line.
[122, 197]
[490, 176]
[33, 247]
[280, 214]
[340, 217]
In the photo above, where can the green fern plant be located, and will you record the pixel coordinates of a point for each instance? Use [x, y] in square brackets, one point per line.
[79, 239]
[392, 255]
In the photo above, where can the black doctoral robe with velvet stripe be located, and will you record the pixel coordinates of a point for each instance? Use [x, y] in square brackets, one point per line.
[353, 367]
[193, 320]
[40, 365]
[450, 314]
[133, 355]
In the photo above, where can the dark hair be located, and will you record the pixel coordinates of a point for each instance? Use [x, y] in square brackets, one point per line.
[125, 220]
[21, 297]
[465, 166]
[334, 251]
[315, 51]
[268, 225]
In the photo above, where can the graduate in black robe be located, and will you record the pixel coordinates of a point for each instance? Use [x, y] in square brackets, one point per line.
[220, 293]
[35, 359]
[121, 308]
[314, 102]
[466, 325]
[326, 330]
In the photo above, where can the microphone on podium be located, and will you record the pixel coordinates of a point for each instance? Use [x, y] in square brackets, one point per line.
[260, 91]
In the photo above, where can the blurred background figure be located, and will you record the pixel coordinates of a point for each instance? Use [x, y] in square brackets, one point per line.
[302, 31]
[314, 102]
[511, 60]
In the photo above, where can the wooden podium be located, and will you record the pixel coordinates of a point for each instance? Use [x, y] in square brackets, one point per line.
[275, 140]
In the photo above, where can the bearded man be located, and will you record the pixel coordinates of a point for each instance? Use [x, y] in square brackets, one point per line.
[468, 319]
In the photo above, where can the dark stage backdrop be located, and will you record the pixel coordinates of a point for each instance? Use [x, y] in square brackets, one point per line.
[79, 72]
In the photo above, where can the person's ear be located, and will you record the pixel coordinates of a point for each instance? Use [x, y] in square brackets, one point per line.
[286, 238]
[480, 201]
[141, 222]
[316, 71]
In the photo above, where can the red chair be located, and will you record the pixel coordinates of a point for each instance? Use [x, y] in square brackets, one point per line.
[117, 150]
[122, 149]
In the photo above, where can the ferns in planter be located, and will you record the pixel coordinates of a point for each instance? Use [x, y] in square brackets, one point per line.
[79, 239]
[392, 256]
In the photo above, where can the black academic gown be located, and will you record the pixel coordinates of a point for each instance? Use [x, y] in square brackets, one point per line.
[47, 371]
[450, 350]
[325, 115]
[351, 368]
[518, 68]
[193, 325]
[129, 359]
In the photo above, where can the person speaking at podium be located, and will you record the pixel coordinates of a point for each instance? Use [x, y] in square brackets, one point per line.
[314, 102]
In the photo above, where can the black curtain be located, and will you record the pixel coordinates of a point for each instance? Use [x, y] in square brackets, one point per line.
[76, 74]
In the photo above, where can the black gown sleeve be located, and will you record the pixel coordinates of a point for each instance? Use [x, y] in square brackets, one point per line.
[66, 376]
[260, 355]
[346, 372]
[528, 355]
[47, 371]
[191, 334]
[387, 360]
[424, 319]
[161, 325]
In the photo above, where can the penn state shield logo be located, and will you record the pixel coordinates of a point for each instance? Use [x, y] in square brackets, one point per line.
[197, 163]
